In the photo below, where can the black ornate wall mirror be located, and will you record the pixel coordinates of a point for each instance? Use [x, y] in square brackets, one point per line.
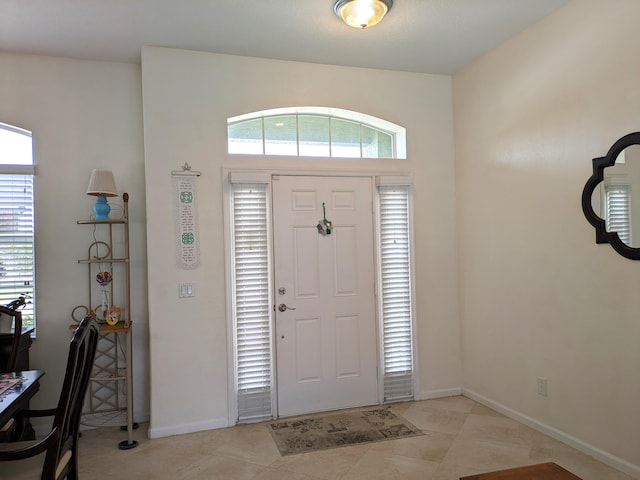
[611, 197]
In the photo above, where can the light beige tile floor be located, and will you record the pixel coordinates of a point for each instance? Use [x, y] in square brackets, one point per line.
[461, 437]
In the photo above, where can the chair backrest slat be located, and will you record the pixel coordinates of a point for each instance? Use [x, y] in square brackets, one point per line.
[82, 352]
[10, 366]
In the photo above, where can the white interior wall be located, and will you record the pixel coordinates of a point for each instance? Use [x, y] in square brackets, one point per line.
[187, 99]
[83, 115]
[538, 296]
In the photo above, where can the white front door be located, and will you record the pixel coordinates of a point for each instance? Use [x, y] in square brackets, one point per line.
[326, 338]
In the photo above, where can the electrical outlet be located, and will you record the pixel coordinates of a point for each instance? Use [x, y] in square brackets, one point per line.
[542, 386]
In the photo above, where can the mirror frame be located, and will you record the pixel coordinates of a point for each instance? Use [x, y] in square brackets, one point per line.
[599, 164]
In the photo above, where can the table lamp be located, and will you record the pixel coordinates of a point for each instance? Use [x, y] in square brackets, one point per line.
[102, 185]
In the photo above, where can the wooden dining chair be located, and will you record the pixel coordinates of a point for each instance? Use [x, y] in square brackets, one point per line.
[55, 456]
[6, 430]
[16, 315]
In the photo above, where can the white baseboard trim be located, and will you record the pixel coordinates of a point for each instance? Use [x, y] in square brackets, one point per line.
[158, 432]
[43, 424]
[595, 452]
[445, 392]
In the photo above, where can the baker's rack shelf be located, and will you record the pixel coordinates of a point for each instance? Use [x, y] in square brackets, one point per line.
[110, 396]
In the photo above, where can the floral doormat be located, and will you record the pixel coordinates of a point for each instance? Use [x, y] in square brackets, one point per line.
[353, 427]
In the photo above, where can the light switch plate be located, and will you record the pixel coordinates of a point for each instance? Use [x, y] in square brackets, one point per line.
[186, 290]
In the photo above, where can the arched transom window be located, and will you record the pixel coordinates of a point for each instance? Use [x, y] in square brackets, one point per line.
[315, 132]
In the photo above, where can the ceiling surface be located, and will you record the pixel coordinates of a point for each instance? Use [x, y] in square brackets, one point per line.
[428, 36]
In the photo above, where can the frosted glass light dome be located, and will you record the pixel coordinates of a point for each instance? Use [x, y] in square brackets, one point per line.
[362, 13]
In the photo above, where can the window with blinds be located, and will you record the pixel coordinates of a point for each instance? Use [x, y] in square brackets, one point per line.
[395, 274]
[618, 214]
[252, 302]
[17, 227]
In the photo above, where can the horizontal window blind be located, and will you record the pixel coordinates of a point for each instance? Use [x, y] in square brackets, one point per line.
[396, 292]
[618, 206]
[252, 302]
[17, 243]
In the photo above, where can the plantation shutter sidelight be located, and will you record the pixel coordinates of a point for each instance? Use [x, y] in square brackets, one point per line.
[395, 274]
[618, 211]
[252, 311]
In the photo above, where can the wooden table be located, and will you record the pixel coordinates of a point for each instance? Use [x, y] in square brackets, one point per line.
[541, 471]
[17, 397]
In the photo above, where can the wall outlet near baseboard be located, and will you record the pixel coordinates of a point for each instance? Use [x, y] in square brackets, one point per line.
[542, 386]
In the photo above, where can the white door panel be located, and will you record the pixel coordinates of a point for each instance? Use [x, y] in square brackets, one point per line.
[326, 341]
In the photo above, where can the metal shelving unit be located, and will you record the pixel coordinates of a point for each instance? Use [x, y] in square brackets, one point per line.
[110, 396]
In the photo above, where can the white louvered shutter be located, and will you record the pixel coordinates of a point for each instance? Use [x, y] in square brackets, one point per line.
[252, 302]
[618, 215]
[396, 292]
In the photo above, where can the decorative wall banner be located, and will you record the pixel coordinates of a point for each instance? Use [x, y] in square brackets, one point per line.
[186, 211]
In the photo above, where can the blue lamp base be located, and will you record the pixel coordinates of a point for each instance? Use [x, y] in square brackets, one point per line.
[101, 208]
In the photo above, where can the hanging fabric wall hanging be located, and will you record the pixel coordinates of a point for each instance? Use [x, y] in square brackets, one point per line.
[186, 217]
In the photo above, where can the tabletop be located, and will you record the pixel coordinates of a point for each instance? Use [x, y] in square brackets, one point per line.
[25, 329]
[540, 471]
[16, 389]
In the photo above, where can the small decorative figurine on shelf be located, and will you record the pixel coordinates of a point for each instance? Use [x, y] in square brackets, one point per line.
[104, 278]
[113, 315]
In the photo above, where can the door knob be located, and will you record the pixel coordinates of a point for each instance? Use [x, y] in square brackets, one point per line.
[283, 308]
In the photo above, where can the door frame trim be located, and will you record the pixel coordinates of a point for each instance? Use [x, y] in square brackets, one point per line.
[228, 264]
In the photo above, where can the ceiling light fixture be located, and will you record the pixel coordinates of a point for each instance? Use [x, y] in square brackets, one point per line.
[362, 13]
